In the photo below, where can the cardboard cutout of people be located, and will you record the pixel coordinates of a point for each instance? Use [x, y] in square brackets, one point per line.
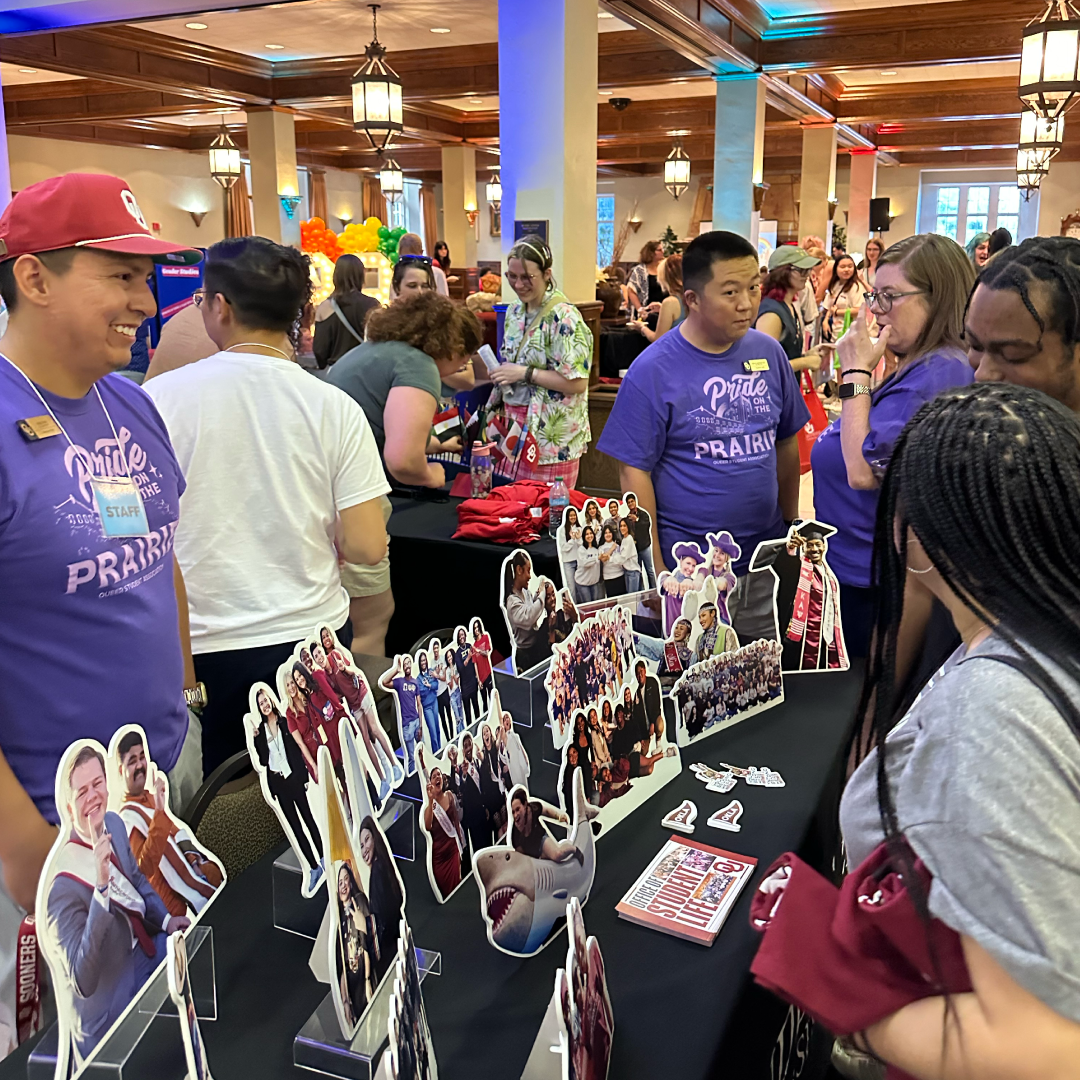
[620, 746]
[411, 1053]
[367, 901]
[806, 595]
[101, 924]
[622, 535]
[538, 615]
[526, 881]
[695, 568]
[464, 795]
[590, 664]
[726, 688]
[184, 1000]
[583, 1005]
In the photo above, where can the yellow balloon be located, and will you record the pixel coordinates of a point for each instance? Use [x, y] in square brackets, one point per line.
[373, 223]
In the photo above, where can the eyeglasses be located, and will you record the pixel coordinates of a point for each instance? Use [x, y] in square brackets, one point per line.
[884, 301]
[524, 279]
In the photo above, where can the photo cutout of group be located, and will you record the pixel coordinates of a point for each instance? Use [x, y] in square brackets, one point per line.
[123, 874]
[441, 691]
[583, 1005]
[464, 795]
[367, 901]
[184, 1000]
[699, 633]
[694, 569]
[526, 881]
[619, 745]
[322, 700]
[591, 664]
[725, 689]
[411, 1053]
[806, 595]
[605, 549]
[538, 615]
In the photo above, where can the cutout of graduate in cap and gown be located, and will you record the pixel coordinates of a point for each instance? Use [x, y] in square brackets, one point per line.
[806, 597]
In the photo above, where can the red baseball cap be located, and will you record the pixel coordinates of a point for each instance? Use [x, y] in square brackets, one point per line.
[91, 210]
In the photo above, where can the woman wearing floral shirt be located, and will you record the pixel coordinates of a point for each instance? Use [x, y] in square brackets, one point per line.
[543, 383]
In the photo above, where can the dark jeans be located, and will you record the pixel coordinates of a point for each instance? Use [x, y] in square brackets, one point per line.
[292, 798]
[857, 615]
[446, 716]
[229, 676]
[470, 701]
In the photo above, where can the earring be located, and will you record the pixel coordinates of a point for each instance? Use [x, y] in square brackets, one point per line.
[912, 570]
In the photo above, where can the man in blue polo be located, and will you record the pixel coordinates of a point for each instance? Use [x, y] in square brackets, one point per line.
[705, 426]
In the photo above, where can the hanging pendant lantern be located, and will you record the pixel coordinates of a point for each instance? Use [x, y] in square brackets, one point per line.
[391, 180]
[224, 159]
[493, 189]
[1050, 60]
[1030, 171]
[677, 171]
[1042, 137]
[376, 93]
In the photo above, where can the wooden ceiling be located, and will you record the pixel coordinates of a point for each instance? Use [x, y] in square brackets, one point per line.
[141, 88]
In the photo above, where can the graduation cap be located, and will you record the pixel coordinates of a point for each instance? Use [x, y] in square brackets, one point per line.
[814, 530]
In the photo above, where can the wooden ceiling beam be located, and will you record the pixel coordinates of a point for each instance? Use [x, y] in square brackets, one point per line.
[124, 104]
[931, 102]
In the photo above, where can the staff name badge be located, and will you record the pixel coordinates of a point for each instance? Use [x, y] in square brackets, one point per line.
[119, 506]
[756, 365]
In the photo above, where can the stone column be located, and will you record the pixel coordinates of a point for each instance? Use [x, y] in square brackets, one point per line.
[459, 197]
[272, 152]
[818, 180]
[739, 150]
[863, 189]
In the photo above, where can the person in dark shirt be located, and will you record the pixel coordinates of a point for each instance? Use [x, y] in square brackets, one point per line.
[648, 708]
[641, 529]
[339, 321]
[470, 686]
[530, 837]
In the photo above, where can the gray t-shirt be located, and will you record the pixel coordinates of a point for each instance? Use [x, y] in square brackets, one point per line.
[986, 778]
[370, 371]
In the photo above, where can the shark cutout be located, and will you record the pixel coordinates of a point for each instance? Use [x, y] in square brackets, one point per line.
[522, 897]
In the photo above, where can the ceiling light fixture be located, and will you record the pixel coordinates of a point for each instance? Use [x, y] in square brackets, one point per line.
[440, 29]
[224, 159]
[1029, 172]
[28, 71]
[1050, 60]
[391, 180]
[195, 25]
[376, 93]
[887, 73]
[493, 188]
[1040, 138]
[274, 48]
[476, 101]
[607, 93]
[677, 170]
[604, 15]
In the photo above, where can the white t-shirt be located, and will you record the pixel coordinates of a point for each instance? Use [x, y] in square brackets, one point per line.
[271, 455]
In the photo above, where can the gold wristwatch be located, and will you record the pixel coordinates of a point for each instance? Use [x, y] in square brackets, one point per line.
[195, 697]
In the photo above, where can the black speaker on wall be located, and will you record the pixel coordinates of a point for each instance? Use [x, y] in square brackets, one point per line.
[879, 215]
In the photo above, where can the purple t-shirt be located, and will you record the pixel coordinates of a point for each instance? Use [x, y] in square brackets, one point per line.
[88, 625]
[892, 405]
[705, 426]
[407, 691]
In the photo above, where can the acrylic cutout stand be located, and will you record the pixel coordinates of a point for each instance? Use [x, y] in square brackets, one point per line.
[545, 1061]
[320, 1047]
[523, 696]
[147, 1043]
[297, 915]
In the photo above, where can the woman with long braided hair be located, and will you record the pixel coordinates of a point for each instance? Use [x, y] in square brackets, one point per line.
[1022, 324]
[981, 777]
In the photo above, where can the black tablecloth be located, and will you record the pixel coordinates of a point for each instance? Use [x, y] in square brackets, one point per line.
[438, 581]
[680, 1009]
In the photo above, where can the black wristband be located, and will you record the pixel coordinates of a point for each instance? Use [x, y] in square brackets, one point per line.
[857, 371]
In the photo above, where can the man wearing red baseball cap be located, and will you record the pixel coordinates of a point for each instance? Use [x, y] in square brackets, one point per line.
[92, 635]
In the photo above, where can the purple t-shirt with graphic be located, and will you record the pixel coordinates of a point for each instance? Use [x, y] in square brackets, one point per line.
[407, 690]
[88, 625]
[705, 426]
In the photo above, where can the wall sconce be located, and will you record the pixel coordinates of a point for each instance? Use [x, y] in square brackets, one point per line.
[197, 216]
[833, 204]
[289, 203]
[759, 196]
[472, 215]
[345, 217]
[634, 223]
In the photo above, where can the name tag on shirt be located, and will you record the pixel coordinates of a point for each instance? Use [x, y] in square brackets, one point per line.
[756, 365]
[119, 506]
[36, 428]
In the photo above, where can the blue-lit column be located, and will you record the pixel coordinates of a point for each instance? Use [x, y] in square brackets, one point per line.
[547, 131]
[5, 163]
[739, 150]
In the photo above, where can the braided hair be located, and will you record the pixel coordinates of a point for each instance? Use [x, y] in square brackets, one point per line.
[1053, 262]
[1001, 462]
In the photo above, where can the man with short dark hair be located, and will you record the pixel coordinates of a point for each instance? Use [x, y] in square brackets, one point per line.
[93, 616]
[641, 530]
[706, 421]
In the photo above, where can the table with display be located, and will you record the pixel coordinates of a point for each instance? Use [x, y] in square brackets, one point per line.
[680, 1008]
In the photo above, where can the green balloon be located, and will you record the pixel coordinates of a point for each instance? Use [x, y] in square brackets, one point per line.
[399, 232]
[384, 232]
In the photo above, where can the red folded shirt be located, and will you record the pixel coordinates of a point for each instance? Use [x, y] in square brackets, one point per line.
[501, 531]
[852, 956]
[490, 510]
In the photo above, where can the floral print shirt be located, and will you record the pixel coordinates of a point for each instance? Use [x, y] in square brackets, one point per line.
[561, 342]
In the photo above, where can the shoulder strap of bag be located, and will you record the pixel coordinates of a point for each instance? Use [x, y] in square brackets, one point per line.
[548, 306]
[348, 325]
[1035, 674]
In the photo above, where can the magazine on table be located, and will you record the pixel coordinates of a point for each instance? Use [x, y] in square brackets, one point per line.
[687, 890]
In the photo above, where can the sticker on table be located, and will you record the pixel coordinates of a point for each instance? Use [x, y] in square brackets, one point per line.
[441, 691]
[726, 689]
[699, 576]
[590, 664]
[620, 745]
[806, 598]
[605, 549]
[367, 901]
[728, 817]
[526, 882]
[537, 613]
[464, 791]
[103, 910]
[184, 1000]
[682, 818]
[765, 777]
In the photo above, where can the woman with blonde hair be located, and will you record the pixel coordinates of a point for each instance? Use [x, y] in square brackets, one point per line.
[672, 309]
